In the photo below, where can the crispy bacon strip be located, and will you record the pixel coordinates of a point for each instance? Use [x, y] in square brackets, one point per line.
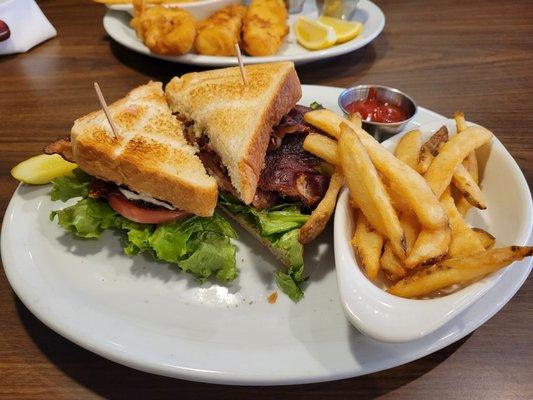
[61, 146]
[263, 200]
[289, 170]
[292, 172]
[293, 122]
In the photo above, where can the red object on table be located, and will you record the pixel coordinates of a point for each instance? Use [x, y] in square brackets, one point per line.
[5, 33]
[371, 109]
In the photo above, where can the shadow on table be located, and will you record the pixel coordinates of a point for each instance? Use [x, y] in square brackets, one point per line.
[111, 380]
[349, 67]
[335, 67]
[155, 68]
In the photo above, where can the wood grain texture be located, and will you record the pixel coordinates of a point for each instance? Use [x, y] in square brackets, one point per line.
[474, 56]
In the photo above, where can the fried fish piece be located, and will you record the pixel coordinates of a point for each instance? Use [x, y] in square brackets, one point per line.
[218, 34]
[265, 27]
[169, 31]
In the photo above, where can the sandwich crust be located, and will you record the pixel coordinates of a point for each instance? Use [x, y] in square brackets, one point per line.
[150, 154]
[237, 118]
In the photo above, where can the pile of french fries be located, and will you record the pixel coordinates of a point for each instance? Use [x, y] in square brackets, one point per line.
[410, 205]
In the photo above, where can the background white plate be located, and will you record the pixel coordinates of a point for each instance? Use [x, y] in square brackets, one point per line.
[139, 313]
[116, 24]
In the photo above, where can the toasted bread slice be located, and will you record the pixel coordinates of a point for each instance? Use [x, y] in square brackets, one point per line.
[150, 154]
[237, 118]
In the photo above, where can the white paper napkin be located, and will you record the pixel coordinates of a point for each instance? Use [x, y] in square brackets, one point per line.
[27, 24]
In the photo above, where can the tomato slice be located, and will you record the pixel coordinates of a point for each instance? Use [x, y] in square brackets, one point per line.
[142, 215]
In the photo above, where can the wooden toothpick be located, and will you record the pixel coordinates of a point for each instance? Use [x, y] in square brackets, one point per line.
[106, 109]
[241, 65]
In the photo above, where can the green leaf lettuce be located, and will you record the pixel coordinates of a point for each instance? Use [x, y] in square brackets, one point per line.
[200, 246]
[280, 227]
[70, 186]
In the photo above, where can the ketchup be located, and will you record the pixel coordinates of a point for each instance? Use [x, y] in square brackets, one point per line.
[373, 110]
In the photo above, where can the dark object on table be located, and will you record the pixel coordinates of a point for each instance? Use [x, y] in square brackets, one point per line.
[5, 33]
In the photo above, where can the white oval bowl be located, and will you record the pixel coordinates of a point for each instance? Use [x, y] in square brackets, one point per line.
[389, 318]
[199, 9]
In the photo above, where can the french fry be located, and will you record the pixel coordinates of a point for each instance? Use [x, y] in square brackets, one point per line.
[451, 154]
[409, 184]
[411, 228]
[464, 240]
[322, 213]
[367, 243]
[398, 202]
[470, 163]
[356, 119]
[460, 121]
[391, 266]
[430, 149]
[408, 149]
[368, 191]
[486, 239]
[430, 247]
[461, 177]
[358, 193]
[458, 270]
[327, 121]
[462, 205]
[468, 187]
[323, 147]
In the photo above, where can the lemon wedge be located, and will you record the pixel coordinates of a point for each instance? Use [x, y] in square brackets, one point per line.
[314, 35]
[345, 30]
[42, 169]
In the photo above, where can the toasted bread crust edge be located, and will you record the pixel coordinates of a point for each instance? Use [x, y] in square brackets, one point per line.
[250, 167]
[96, 160]
[282, 257]
[197, 200]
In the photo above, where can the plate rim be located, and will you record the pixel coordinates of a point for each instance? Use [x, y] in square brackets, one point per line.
[218, 377]
[221, 61]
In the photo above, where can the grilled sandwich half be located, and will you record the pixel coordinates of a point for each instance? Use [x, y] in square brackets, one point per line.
[236, 119]
[250, 138]
[146, 181]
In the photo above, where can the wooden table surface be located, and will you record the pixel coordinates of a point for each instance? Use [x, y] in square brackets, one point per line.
[473, 56]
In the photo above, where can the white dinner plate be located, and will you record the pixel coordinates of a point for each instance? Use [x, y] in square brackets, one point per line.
[116, 24]
[141, 314]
